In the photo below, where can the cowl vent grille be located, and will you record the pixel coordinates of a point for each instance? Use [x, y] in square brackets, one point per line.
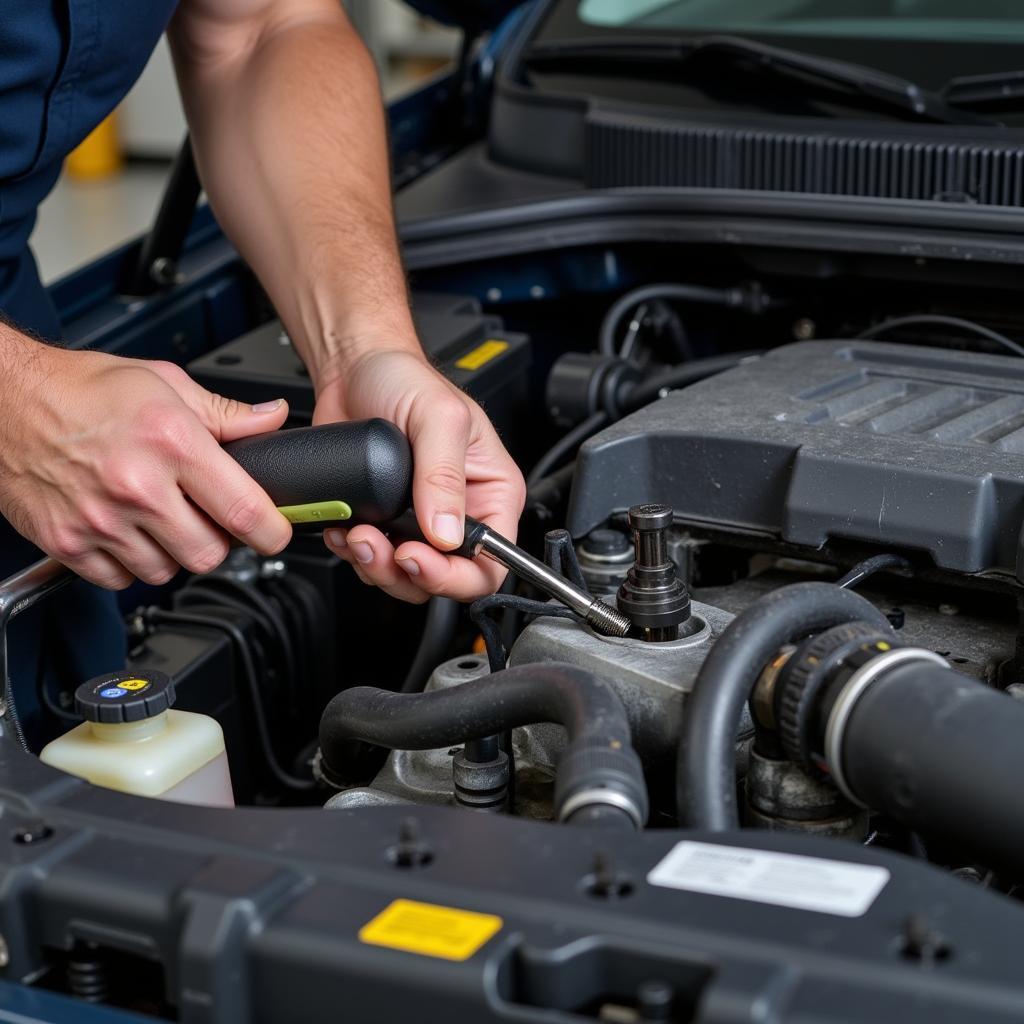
[647, 152]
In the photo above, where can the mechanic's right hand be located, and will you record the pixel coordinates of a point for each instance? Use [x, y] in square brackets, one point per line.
[113, 466]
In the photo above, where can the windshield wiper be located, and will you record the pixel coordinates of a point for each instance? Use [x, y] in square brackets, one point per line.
[999, 91]
[880, 87]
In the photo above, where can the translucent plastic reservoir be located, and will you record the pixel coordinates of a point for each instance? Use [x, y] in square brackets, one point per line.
[170, 754]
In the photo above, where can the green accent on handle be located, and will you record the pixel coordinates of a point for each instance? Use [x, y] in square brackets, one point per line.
[316, 512]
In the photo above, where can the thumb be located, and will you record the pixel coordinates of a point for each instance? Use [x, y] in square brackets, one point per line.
[439, 436]
[228, 419]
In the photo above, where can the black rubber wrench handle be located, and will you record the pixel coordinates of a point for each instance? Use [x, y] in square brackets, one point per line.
[354, 472]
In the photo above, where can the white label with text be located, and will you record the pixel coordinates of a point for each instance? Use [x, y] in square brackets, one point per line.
[783, 879]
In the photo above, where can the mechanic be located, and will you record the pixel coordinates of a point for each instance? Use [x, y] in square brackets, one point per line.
[112, 465]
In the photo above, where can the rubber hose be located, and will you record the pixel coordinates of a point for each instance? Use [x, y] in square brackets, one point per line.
[862, 570]
[674, 377]
[728, 297]
[599, 765]
[706, 770]
[941, 753]
[565, 446]
[438, 633]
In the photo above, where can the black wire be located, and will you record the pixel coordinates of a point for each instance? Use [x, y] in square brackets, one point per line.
[560, 555]
[479, 612]
[266, 608]
[680, 376]
[636, 325]
[728, 297]
[565, 446]
[199, 592]
[943, 321]
[640, 394]
[311, 611]
[301, 638]
[286, 779]
[862, 570]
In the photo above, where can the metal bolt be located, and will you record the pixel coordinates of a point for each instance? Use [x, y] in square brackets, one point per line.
[165, 271]
[1016, 691]
[34, 832]
[604, 881]
[654, 1000]
[5, 953]
[273, 569]
[804, 329]
[410, 851]
[923, 942]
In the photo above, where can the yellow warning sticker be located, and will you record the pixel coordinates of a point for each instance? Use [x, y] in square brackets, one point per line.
[482, 354]
[430, 930]
[134, 684]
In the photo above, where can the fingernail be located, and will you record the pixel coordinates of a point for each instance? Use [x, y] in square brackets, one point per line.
[268, 406]
[448, 528]
[410, 565]
[363, 552]
[336, 538]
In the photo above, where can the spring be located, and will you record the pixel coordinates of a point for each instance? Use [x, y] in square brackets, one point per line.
[87, 973]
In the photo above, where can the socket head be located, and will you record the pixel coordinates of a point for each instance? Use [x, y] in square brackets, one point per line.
[650, 517]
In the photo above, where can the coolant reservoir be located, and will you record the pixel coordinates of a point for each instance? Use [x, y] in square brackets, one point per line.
[132, 740]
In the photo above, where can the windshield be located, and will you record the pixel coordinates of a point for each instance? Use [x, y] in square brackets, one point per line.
[1000, 21]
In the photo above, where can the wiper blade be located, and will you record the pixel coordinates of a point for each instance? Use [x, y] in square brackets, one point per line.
[879, 86]
[1001, 90]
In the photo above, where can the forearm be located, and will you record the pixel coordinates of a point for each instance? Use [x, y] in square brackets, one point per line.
[289, 132]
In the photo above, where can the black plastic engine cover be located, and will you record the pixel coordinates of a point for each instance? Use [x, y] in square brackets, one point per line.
[902, 446]
[262, 916]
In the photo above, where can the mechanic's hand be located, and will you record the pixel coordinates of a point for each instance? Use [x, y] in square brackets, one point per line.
[113, 467]
[460, 466]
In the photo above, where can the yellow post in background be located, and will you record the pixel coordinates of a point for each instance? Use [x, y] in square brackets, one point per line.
[98, 155]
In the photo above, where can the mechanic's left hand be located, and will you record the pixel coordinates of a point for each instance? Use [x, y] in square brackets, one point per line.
[460, 466]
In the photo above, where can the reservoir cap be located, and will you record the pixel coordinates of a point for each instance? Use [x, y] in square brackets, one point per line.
[125, 696]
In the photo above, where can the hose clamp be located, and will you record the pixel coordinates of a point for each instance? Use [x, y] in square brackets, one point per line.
[601, 795]
[854, 689]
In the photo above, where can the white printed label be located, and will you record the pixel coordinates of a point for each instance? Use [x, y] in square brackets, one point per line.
[784, 879]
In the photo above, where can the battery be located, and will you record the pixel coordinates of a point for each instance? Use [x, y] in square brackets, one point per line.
[471, 348]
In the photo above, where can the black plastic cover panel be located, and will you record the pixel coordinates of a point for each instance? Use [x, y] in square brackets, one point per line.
[901, 446]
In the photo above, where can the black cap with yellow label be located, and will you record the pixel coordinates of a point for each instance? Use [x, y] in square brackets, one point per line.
[125, 696]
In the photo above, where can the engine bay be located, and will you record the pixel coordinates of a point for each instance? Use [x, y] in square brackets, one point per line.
[815, 547]
[738, 739]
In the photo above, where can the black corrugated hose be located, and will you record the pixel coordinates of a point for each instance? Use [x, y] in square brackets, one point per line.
[706, 770]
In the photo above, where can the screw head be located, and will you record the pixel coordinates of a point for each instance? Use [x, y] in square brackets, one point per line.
[36, 832]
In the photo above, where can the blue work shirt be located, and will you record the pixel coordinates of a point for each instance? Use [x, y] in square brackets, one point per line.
[64, 65]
